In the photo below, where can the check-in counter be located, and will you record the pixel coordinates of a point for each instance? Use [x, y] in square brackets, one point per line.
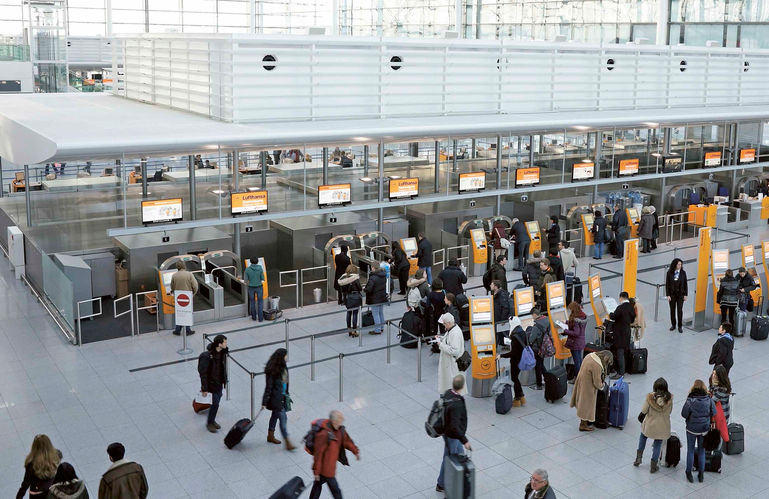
[754, 209]
[203, 175]
[204, 302]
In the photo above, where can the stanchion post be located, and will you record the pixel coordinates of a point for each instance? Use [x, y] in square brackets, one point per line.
[312, 358]
[253, 406]
[184, 350]
[341, 377]
[228, 377]
[657, 303]
[287, 335]
[388, 341]
[419, 360]
[359, 326]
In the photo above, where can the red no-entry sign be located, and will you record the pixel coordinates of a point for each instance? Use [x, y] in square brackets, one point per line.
[183, 300]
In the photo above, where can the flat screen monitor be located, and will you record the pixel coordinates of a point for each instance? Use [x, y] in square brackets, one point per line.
[600, 308]
[747, 155]
[249, 202]
[404, 188]
[583, 171]
[713, 158]
[472, 182]
[526, 322]
[628, 167]
[527, 176]
[483, 335]
[138, 170]
[167, 275]
[162, 210]
[334, 195]
[672, 164]
[108, 171]
[409, 245]
[559, 315]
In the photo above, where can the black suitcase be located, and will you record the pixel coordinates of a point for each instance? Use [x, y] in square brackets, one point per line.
[459, 480]
[712, 461]
[635, 360]
[736, 443]
[555, 383]
[291, 490]
[578, 295]
[504, 400]
[238, 431]
[673, 451]
[602, 408]
[759, 328]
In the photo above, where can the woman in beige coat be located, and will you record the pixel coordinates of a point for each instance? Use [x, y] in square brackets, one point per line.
[656, 424]
[638, 326]
[590, 379]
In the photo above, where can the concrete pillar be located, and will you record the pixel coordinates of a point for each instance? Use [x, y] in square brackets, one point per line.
[263, 163]
[27, 198]
[663, 15]
[380, 185]
[144, 177]
[236, 188]
[325, 165]
[437, 187]
[193, 200]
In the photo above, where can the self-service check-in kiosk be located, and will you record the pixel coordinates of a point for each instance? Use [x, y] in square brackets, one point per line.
[536, 239]
[556, 312]
[265, 287]
[633, 218]
[334, 247]
[719, 264]
[596, 300]
[410, 247]
[749, 262]
[479, 248]
[483, 340]
[523, 299]
[588, 221]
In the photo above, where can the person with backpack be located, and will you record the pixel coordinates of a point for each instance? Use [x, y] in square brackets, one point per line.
[66, 484]
[538, 337]
[728, 296]
[656, 409]
[451, 346]
[419, 282]
[276, 396]
[522, 242]
[532, 271]
[254, 277]
[212, 368]
[455, 424]
[413, 323]
[350, 288]
[518, 342]
[599, 234]
[698, 411]
[402, 266]
[329, 441]
[425, 256]
[496, 272]
[376, 297]
[453, 278]
[722, 352]
[575, 333]
[591, 378]
[497, 235]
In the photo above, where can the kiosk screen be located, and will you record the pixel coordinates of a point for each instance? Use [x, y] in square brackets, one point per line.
[600, 308]
[409, 245]
[526, 322]
[483, 335]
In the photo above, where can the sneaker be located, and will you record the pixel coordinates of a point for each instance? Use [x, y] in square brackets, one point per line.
[616, 376]
[538, 388]
[438, 488]
[212, 428]
[218, 426]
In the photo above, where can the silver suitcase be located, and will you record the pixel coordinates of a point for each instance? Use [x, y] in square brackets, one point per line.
[459, 477]
[741, 323]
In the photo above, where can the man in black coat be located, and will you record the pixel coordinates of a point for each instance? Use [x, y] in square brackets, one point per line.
[623, 316]
[212, 368]
[376, 297]
[455, 419]
[453, 278]
[619, 226]
[721, 354]
[747, 284]
[411, 322]
[425, 256]
[341, 261]
[497, 272]
[522, 241]
[517, 344]
[556, 264]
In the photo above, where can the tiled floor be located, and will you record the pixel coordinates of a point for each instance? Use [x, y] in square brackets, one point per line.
[86, 398]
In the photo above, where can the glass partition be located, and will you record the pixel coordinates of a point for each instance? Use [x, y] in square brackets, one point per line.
[58, 289]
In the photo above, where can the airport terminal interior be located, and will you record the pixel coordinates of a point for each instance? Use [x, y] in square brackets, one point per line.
[145, 146]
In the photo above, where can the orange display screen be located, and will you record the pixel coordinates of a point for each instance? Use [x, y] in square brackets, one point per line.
[404, 188]
[481, 310]
[249, 202]
[628, 166]
[527, 176]
[713, 158]
[162, 210]
[747, 155]
[583, 171]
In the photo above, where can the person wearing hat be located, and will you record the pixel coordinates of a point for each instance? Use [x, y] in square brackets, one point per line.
[451, 346]
[747, 284]
[518, 342]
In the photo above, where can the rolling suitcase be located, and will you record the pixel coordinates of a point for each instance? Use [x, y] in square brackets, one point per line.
[459, 477]
[368, 318]
[741, 323]
[504, 400]
[673, 451]
[736, 443]
[759, 328]
[578, 292]
[712, 461]
[636, 359]
[602, 408]
[555, 383]
[291, 490]
[239, 430]
[619, 400]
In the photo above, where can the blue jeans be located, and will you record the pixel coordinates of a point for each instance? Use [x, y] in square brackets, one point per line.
[451, 446]
[216, 396]
[656, 447]
[428, 273]
[279, 416]
[378, 311]
[599, 250]
[352, 318]
[576, 355]
[690, 440]
[256, 298]
[333, 486]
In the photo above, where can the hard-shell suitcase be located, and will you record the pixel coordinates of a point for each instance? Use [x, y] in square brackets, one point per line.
[619, 400]
[712, 461]
[555, 383]
[504, 400]
[740, 323]
[602, 408]
[238, 431]
[636, 359]
[673, 451]
[736, 443]
[459, 477]
[291, 490]
[759, 328]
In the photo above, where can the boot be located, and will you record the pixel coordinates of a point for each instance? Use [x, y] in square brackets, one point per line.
[700, 477]
[522, 400]
[289, 445]
[639, 454]
[516, 402]
[654, 468]
[583, 426]
[271, 438]
[689, 477]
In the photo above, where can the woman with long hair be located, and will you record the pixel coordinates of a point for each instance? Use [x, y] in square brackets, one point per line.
[276, 396]
[720, 388]
[402, 266]
[676, 289]
[698, 411]
[40, 468]
[66, 485]
[656, 424]
[576, 335]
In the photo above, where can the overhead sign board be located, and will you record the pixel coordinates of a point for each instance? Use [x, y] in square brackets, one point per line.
[332, 195]
[472, 182]
[583, 171]
[747, 155]
[249, 202]
[713, 158]
[628, 166]
[527, 176]
[404, 188]
[162, 210]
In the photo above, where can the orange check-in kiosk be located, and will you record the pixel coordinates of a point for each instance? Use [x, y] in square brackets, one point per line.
[523, 298]
[719, 264]
[265, 288]
[484, 347]
[587, 228]
[596, 299]
[556, 311]
[479, 248]
[749, 262]
[536, 239]
[410, 247]
[633, 218]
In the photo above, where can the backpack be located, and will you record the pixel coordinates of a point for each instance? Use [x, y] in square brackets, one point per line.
[527, 361]
[436, 420]
[487, 279]
[547, 349]
[413, 298]
[200, 357]
[309, 438]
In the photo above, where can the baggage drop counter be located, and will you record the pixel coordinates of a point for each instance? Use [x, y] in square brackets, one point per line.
[482, 339]
[225, 269]
[409, 246]
[203, 303]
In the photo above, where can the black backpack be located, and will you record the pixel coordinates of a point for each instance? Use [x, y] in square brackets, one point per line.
[487, 280]
[435, 425]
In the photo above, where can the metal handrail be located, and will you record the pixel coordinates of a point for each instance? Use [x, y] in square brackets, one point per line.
[459, 249]
[234, 273]
[129, 311]
[325, 279]
[296, 284]
[80, 318]
[156, 306]
[442, 263]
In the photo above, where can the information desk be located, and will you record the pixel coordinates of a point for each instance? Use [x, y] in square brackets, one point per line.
[76, 184]
[483, 342]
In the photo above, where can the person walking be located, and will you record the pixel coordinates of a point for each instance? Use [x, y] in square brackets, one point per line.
[124, 479]
[646, 229]
[623, 317]
[212, 368]
[341, 262]
[720, 389]
[66, 485]
[522, 242]
[40, 467]
[376, 297]
[591, 378]
[453, 278]
[349, 286]
[698, 411]
[451, 346]
[518, 342]
[728, 296]
[553, 232]
[722, 352]
[455, 421]
[183, 280]
[655, 227]
[677, 290]
[537, 334]
[330, 445]
[425, 256]
[747, 284]
[656, 409]
[531, 271]
[497, 235]
[619, 226]
[575, 333]
[539, 486]
[254, 277]
[402, 265]
[599, 234]
[276, 396]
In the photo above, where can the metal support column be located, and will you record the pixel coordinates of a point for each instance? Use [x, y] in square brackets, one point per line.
[325, 165]
[662, 199]
[365, 161]
[498, 169]
[437, 187]
[1, 178]
[144, 177]
[263, 163]
[666, 134]
[193, 201]
[27, 198]
[478, 34]
[380, 185]
[473, 153]
[236, 188]
[531, 150]
[454, 161]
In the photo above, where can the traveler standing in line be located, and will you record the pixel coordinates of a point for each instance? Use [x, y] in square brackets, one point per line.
[450, 307]
[451, 346]
[419, 281]
[497, 272]
[276, 396]
[646, 229]
[747, 284]
[556, 263]
[341, 262]
[502, 310]
[183, 280]
[425, 256]
[599, 234]
[722, 352]
[531, 271]
[376, 297]
[546, 276]
[539, 486]
[623, 317]
[349, 286]
[698, 411]
[576, 335]
[591, 378]
[330, 445]
[522, 242]
[276, 156]
[677, 290]
[656, 424]
[553, 232]
[655, 227]
[66, 485]
[619, 226]
[212, 368]
[720, 389]
[124, 479]
[40, 467]
[453, 278]
[436, 303]
[455, 420]
[728, 296]
[518, 342]
[254, 277]
[402, 266]
[497, 235]
[568, 257]
[537, 334]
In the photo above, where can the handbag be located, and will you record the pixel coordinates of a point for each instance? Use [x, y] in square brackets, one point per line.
[463, 361]
[201, 403]
[287, 403]
[353, 299]
[641, 417]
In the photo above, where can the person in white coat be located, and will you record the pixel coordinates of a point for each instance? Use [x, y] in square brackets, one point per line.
[452, 346]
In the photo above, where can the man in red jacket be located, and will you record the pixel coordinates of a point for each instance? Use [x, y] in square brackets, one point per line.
[330, 444]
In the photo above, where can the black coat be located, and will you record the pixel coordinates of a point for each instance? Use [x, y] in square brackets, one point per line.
[502, 304]
[400, 260]
[517, 344]
[342, 261]
[425, 254]
[599, 230]
[747, 283]
[376, 288]
[721, 354]
[557, 266]
[619, 221]
[729, 292]
[553, 235]
[453, 278]
[212, 368]
[623, 316]
[273, 398]
[679, 288]
[499, 273]
[456, 416]
[519, 231]
[413, 323]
